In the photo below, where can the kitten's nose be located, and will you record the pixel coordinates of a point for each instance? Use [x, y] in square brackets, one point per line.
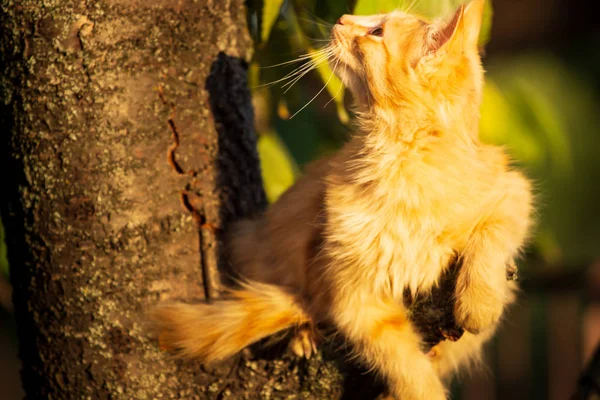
[343, 20]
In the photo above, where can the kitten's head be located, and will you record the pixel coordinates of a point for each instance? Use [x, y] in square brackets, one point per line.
[394, 58]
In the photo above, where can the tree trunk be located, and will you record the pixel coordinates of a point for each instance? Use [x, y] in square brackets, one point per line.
[127, 147]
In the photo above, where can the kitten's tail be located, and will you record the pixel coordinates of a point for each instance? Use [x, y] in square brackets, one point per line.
[213, 332]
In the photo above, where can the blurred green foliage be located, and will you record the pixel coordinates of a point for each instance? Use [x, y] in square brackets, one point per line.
[534, 104]
[550, 124]
[270, 13]
[275, 159]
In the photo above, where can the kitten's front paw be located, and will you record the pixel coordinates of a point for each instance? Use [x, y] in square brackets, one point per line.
[478, 307]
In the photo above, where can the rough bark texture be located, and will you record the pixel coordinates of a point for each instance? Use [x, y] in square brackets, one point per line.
[126, 140]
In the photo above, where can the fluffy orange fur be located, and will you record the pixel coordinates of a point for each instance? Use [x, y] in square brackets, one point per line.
[412, 187]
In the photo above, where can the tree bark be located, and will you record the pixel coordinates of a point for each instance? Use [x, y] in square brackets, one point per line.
[127, 146]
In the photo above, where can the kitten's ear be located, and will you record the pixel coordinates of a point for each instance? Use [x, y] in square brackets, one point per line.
[461, 33]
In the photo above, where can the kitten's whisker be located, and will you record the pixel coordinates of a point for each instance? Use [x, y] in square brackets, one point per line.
[309, 63]
[316, 60]
[412, 6]
[339, 90]
[295, 80]
[342, 85]
[400, 6]
[299, 59]
[298, 70]
[314, 66]
[324, 51]
[322, 23]
[317, 40]
[320, 91]
[307, 66]
[316, 17]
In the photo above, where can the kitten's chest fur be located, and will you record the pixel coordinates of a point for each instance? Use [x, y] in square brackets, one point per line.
[400, 221]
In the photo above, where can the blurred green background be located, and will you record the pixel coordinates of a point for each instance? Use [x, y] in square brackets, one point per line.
[541, 101]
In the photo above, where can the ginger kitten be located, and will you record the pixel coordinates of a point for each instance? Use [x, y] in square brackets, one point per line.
[412, 188]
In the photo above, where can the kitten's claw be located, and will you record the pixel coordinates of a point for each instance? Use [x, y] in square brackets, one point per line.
[304, 343]
[512, 272]
[451, 334]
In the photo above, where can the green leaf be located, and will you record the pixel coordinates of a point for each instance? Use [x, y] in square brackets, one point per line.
[438, 8]
[369, 7]
[271, 11]
[278, 169]
[486, 26]
[427, 8]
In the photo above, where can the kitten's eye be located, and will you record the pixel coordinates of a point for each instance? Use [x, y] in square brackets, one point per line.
[377, 31]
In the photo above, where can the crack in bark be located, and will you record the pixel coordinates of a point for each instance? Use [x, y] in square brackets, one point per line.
[174, 133]
[201, 224]
[197, 215]
[171, 151]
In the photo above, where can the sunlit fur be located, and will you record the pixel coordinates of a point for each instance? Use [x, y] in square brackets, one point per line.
[412, 187]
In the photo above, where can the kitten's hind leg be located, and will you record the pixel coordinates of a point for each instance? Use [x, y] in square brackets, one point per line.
[304, 342]
[384, 338]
